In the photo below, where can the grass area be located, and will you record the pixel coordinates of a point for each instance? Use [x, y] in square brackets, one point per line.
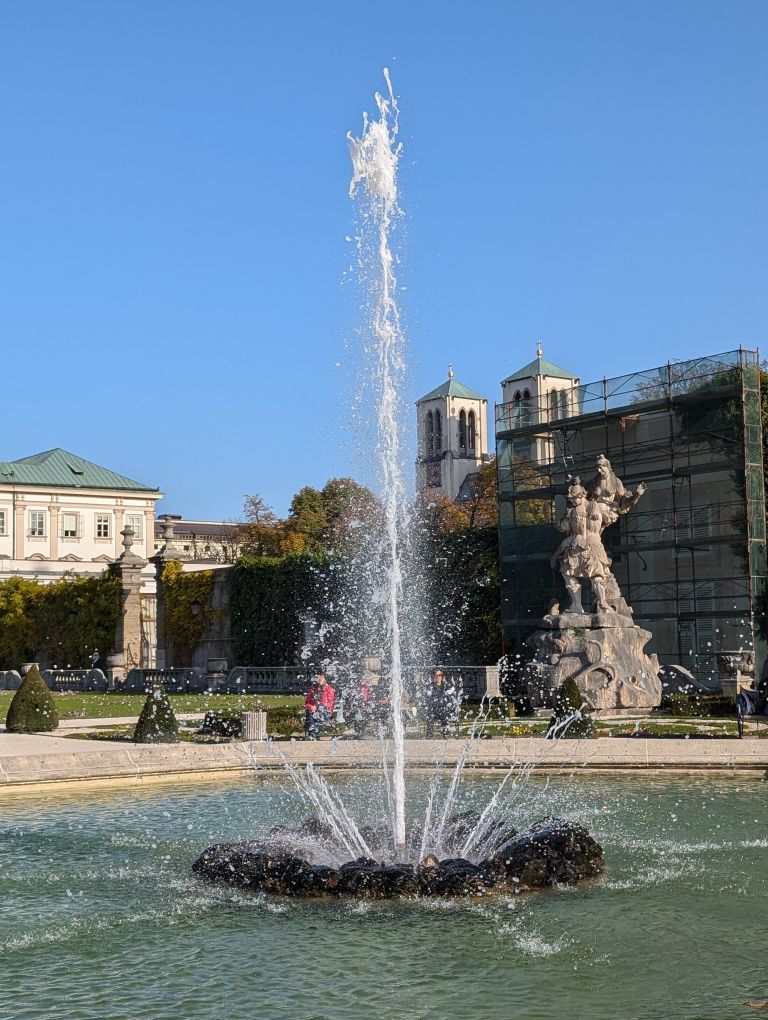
[107, 706]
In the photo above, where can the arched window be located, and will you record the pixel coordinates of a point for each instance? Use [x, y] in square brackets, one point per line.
[462, 432]
[563, 403]
[525, 406]
[471, 431]
[429, 433]
[554, 405]
[438, 432]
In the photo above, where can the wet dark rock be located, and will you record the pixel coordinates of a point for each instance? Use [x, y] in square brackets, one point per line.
[551, 852]
[453, 877]
[459, 826]
[430, 861]
[373, 837]
[314, 827]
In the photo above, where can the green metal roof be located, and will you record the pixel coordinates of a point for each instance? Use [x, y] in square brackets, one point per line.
[451, 388]
[539, 366]
[59, 467]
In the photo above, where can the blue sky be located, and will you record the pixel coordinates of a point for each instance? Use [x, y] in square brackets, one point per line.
[174, 182]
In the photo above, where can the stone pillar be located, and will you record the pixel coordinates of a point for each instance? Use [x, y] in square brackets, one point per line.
[168, 552]
[127, 651]
[53, 524]
[21, 525]
[119, 518]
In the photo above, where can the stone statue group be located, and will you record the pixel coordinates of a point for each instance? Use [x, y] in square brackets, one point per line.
[581, 555]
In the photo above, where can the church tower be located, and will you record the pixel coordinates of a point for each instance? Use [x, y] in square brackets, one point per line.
[452, 430]
[538, 393]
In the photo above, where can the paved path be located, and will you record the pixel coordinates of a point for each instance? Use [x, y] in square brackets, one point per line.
[37, 758]
[80, 725]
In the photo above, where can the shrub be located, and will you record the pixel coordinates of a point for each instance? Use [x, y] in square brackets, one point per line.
[698, 705]
[567, 701]
[33, 709]
[222, 724]
[157, 723]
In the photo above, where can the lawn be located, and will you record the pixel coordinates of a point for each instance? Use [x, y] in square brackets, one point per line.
[108, 706]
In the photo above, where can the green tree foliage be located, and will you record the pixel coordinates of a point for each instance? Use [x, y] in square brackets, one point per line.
[157, 724]
[32, 709]
[457, 567]
[63, 621]
[567, 701]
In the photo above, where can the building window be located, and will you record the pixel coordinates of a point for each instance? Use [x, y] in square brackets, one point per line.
[438, 432]
[3, 522]
[471, 432]
[37, 524]
[103, 526]
[69, 525]
[134, 521]
[462, 432]
[429, 433]
[554, 405]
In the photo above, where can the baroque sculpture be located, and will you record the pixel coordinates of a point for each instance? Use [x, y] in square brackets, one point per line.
[601, 648]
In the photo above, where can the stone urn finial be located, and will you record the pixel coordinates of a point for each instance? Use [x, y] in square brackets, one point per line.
[128, 536]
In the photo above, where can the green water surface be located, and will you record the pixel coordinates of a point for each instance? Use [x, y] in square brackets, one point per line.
[100, 916]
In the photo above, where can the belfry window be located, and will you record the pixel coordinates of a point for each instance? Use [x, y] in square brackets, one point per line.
[471, 431]
[525, 406]
[429, 433]
[438, 432]
[462, 432]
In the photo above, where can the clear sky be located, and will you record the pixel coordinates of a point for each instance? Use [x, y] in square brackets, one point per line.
[174, 182]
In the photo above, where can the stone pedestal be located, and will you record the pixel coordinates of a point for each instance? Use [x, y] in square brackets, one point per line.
[604, 653]
[127, 651]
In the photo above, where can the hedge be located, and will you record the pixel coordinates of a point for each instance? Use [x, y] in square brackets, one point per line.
[62, 621]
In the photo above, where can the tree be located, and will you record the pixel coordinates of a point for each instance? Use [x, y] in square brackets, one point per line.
[33, 709]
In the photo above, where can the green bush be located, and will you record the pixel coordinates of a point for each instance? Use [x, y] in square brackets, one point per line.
[699, 706]
[281, 722]
[222, 724]
[33, 709]
[157, 723]
[567, 700]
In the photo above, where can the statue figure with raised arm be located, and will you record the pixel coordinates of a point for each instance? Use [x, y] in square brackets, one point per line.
[603, 649]
[608, 489]
[581, 555]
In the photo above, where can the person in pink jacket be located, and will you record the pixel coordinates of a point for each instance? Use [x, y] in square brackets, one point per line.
[318, 706]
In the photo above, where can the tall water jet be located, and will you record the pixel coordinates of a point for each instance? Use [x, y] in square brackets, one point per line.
[375, 157]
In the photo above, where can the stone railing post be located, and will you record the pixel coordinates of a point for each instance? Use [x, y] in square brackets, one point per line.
[127, 650]
[167, 553]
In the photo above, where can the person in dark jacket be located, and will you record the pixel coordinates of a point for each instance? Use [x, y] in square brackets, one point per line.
[440, 704]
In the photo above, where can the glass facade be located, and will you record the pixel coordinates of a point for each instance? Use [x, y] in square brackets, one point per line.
[690, 557]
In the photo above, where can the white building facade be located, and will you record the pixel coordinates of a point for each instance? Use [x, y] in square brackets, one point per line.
[60, 513]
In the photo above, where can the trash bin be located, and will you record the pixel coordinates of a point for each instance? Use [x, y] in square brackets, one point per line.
[254, 725]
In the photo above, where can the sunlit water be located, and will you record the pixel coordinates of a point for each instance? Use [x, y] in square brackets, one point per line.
[375, 157]
[101, 917]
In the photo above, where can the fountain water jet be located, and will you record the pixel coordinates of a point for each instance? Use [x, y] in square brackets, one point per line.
[375, 157]
[330, 854]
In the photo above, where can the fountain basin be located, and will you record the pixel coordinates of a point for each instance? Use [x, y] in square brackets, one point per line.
[550, 852]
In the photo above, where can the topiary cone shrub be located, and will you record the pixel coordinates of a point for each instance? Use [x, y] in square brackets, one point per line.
[157, 723]
[568, 699]
[33, 709]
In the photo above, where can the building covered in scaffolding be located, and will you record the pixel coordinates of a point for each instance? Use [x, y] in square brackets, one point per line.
[690, 558]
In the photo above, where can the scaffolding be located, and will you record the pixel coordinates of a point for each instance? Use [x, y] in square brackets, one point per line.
[690, 557]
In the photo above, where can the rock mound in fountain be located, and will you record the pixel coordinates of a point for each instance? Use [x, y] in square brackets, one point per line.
[299, 862]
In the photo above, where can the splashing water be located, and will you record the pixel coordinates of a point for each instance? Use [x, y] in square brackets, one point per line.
[375, 157]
